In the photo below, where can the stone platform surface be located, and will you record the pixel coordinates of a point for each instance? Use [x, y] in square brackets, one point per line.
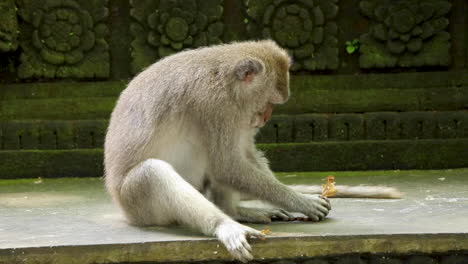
[73, 220]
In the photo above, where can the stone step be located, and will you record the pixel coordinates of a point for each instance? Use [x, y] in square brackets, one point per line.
[70, 134]
[315, 156]
[308, 101]
[73, 221]
[300, 84]
[442, 91]
[57, 108]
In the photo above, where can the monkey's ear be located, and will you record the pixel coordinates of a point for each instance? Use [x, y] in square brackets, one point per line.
[246, 69]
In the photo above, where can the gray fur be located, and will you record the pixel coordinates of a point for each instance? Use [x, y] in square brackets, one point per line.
[246, 67]
[184, 126]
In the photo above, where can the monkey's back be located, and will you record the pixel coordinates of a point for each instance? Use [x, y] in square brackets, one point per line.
[192, 81]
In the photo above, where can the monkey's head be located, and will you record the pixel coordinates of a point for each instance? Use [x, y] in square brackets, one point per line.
[262, 75]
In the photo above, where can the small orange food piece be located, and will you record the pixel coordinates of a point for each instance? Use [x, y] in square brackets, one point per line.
[329, 187]
[266, 231]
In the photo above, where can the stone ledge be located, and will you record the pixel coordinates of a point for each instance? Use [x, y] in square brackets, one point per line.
[302, 101]
[73, 221]
[296, 247]
[317, 156]
[61, 89]
[68, 89]
[443, 91]
[368, 155]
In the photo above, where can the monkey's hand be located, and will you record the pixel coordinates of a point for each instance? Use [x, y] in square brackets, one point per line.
[314, 207]
[234, 237]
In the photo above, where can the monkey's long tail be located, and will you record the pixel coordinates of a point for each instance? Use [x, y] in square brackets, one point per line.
[362, 191]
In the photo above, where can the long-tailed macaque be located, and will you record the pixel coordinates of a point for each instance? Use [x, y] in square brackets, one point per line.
[180, 144]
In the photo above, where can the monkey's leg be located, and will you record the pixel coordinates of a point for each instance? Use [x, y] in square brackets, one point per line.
[153, 193]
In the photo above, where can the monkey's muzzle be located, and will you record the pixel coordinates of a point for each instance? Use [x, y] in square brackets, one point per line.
[261, 118]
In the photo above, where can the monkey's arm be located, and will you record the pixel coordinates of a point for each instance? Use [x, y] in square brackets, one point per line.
[249, 173]
[344, 191]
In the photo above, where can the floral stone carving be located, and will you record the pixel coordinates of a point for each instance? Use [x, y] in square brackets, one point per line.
[305, 27]
[161, 28]
[64, 39]
[405, 33]
[8, 26]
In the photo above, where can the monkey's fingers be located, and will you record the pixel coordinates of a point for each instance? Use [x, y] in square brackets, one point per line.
[316, 216]
[246, 244]
[323, 206]
[282, 214]
[328, 204]
[319, 207]
[252, 233]
[238, 250]
[322, 209]
[233, 235]
[324, 202]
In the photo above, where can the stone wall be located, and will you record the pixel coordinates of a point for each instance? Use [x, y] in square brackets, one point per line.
[377, 84]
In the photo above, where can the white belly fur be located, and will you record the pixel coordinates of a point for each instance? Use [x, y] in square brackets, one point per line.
[180, 146]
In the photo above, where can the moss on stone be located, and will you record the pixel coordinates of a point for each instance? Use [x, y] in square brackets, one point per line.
[377, 92]
[69, 134]
[323, 156]
[346, 127]
[52, 134]
[64, 39]
[51, 163]
[57, 108]
[8, 26]
[368, 155]
[49, 90]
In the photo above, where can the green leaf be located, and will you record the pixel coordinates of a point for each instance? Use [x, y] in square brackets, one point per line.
[350, 49]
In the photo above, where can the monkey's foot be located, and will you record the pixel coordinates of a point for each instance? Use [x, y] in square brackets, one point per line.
[262, 215]
[234, 237]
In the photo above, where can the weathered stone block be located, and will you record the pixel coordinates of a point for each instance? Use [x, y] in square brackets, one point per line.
[56, 135]
[90, 133]
[418, 125]
[455, 259]
[311, 127]
[307, 29]
[161, 28]
[283, 262]
[8, 26]
[405, 34]
[20, 135]
[64, 39]
[421, 260]
[452, 124]
[346, 127]
[382, 125]
[278, 129]
[384, 260]
[316, 261]
[350, 260]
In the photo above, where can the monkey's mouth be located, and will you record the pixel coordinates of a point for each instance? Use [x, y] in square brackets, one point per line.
[261, 118]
